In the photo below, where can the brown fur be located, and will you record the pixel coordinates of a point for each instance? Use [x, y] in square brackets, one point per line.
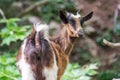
[62, 59]
[38, 62]
[64, 42]
[62, 45]
[38, 57]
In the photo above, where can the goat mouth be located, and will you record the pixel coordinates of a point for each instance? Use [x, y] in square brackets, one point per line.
[81, 34]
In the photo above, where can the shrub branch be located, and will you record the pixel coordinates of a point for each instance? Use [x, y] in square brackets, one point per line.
[110, 44]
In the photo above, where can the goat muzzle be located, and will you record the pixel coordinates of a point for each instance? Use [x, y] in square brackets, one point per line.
[81, 33]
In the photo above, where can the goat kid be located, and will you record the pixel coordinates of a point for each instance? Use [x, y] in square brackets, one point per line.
[64, 42]
[42, 59]
[36, 59]
[71, 31]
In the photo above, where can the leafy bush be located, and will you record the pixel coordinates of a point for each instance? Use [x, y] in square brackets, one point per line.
[8, 69]
[107, 36]
[108, 75]
[84, 55]
[12, 32]
[75, 72]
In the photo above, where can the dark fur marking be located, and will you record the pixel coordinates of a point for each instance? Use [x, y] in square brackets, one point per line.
[72, 22]
[38, 62]
[63, 17]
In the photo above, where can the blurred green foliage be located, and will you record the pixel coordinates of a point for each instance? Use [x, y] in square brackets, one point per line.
[8, 69]
[47, 12]
[107, 36]
[108, 75]
[50, 11]
[83, 55]
[75, 72]
[12, 32]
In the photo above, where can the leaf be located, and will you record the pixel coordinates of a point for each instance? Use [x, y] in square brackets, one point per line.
[84, 78]
[3, 21]
[92, 72]
[8, 40]
[75, 72]
[14, 19]
[93, 66]
[12, 32]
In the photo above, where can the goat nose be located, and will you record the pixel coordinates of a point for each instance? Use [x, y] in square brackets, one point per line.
[81, 33]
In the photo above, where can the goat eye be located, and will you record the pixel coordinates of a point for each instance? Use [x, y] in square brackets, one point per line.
[73, 23]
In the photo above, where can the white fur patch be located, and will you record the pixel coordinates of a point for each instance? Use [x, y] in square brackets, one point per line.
[51, 73]
[39, 27]
[25, 68]
[75, 16]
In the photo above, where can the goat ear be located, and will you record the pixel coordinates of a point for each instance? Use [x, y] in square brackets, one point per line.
[63, 17]
[85, 18]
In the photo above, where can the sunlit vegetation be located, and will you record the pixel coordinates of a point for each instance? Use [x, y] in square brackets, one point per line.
[13, 30]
